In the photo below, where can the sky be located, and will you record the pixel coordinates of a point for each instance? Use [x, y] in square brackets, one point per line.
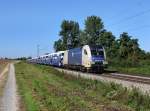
[24, 24]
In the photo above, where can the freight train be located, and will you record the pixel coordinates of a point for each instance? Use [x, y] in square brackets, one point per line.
[86, 58]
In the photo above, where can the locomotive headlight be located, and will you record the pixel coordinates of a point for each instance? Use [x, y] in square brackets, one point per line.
[92, 62]
[105, 62]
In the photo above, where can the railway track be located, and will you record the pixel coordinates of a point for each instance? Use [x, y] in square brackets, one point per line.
[137, 79]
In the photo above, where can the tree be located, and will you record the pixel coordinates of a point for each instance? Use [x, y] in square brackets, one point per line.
[124, 43]
[70, 31]
[133, 49]
[93, 28]
[106, 39]
[58, 45]
[148, 55]
[83, 38]
[29, 57]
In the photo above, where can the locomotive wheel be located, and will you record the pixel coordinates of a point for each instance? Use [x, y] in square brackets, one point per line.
[83, 69]
[87, 70]
[101, 70]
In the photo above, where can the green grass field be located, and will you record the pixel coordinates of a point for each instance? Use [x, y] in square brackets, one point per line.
[141, 71]
[43, 88]
[142, 68]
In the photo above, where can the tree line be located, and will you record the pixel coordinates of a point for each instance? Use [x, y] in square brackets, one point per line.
[125, 48]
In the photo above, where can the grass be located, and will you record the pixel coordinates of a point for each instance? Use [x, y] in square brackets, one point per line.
[141, 71]
[43, 88]
[3, 78]
[142, 68]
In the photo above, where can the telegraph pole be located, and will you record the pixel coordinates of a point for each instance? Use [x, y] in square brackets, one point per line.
[38, 50]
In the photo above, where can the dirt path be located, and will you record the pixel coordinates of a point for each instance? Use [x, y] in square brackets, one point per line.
[9, 100]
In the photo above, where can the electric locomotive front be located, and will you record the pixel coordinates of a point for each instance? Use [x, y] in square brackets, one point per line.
[98, 57]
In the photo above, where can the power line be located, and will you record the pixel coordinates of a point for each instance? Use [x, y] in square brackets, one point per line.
[137, 28]
[131, 17]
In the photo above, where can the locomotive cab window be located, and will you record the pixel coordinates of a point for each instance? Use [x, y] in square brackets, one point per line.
[97, 52]
[85, 52]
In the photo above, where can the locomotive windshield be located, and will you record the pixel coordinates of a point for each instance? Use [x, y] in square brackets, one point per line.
[97, 51]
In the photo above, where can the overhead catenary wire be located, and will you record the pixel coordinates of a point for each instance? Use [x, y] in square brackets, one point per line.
[130, 17]
[138, 28]
[126, 19]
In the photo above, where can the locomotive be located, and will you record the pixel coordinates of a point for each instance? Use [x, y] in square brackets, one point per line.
[86, 58]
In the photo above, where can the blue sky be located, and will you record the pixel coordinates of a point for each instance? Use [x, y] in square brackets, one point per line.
[26, 23]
